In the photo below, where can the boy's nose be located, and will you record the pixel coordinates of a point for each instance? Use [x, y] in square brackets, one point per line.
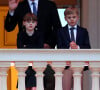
[72, 18]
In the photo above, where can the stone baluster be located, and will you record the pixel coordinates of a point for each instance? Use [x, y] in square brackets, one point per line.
[4, 66]
[39, 67]
[77, 68]
[58, 67]
[21, 67]
[95, 68]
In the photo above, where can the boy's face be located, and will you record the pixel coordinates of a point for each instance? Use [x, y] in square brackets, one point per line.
[72, 19]
[30, 25]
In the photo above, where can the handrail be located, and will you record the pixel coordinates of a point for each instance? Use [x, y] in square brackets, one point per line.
[49, 55]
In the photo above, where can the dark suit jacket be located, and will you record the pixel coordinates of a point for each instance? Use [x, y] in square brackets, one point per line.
[48, 19]
[82, 38]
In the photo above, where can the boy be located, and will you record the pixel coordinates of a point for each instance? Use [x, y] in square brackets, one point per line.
[72, 36]
[30, 37]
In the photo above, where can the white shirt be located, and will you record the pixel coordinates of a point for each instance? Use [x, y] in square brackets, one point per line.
[75, 31]
[31, 5]
[30, 33]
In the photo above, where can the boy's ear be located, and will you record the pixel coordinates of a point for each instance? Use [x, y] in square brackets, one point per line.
[78, 17]
[65, 18]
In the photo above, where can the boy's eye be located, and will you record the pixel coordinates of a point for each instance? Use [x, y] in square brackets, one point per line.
[74, 17]
[69, 17]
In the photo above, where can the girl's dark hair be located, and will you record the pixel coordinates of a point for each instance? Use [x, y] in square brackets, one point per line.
[30, 16]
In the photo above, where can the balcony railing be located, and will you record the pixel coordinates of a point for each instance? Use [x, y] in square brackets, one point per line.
[58, 59]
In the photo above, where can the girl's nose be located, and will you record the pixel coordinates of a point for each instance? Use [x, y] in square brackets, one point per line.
[30, 23]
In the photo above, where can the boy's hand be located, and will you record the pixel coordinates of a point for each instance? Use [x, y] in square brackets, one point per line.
[46, 46]
[73, 45]
[13, 4]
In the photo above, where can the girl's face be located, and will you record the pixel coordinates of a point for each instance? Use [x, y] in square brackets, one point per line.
[30, 25]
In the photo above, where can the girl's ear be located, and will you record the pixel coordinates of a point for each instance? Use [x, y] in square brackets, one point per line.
[23, 27]
[35, 23]
[24, 23]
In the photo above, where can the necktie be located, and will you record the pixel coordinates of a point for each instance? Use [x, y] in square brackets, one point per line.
[34, 8]
[72, 34]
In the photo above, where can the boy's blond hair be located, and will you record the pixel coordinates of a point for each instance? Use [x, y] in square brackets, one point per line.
[71, 10]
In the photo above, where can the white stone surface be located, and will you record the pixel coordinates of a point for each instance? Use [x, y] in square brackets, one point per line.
[57, 59]
[77, 78]
[39, 67]
[21, 67]
[4, 66]
[58, 68]
[49, 55]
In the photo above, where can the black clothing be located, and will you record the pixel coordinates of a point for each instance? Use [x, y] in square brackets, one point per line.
[49, 78]
[35, 41]
[29, 42]
[30, 79]
[82, 38]
[47, 17]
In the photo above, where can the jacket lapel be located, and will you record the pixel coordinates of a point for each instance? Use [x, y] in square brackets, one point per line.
[66, 32]
[27, 5]
[78, 34]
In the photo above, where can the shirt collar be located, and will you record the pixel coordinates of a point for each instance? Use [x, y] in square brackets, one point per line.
[35, 1]
[30, 33]
[71, 26]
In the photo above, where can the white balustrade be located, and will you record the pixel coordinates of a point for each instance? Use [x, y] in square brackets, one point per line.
[58, 60]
